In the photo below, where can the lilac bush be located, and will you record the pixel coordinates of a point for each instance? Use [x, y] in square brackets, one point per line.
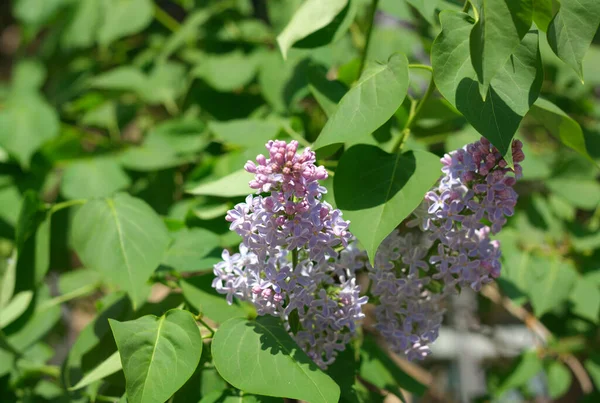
[297, 254]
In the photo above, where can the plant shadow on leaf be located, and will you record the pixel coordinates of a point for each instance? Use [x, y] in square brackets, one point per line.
[349, 197]
[297, 81]
[269, 342]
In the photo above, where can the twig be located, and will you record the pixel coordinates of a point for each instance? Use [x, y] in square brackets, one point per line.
[538, 328]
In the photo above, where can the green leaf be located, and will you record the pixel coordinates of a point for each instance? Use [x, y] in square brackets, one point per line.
[583, 193]
[543, 11]
[528, 365]
[368, 105]
[123, 18]
[377, 191]
[379, 369]
[15, 308]
[127, 243]
[189, 248]
[283, 83]
[125, 78]
[586, 299]
[501, 26]
[267, 361]
[7, 284]
[95, 177]
[10, 200]
[333, 31]
[227, 72]
[572, 29]
[426, 8]
[82, 28]
[198, 291]
[232, 396]
[309, 18]
[158, 354]
[559, 379]
[551, 284]
[592, 365]
[560, 125]
[27, 121]
[327, 93]
[235, 184]
[246, 133]
[108, 367]
[512, 91]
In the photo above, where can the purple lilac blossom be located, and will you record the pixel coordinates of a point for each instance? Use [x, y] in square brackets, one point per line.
[453, 246]
[290, 217]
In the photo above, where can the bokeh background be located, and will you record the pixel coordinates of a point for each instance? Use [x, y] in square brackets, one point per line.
[158, 97]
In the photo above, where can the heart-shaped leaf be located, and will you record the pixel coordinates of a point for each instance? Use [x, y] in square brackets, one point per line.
[369, 104]
[512, 91]
[127, 242]
[96, 177]
[377, 190]
[496, 34]
[267, 361]
[572, 29]
[158, 354]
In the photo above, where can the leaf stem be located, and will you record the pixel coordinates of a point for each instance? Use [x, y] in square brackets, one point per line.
[294, 258]
[206, 325]
[413, 116]
[66, 204]
[165, 19]
[421, 66]
[371, 22]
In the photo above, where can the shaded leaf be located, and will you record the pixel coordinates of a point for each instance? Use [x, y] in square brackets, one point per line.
[377, 191]
[512, 91]
[189, 248]
[108, 367]
[309, 18]
[551, 284]
[327, 93]
[501, 26]
[559, 379]
[528, 365]
[585, 297]
[245, 132]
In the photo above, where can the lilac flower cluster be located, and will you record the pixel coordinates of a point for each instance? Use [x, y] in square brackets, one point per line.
[288, 259]
[453, 246]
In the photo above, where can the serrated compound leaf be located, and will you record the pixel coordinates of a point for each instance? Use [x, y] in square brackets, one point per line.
[585, 298]
[158, 354]
[260, 357]
[127, 242]
[199, 292]
[378, 93]
[123, 18]
[189, 248]
[376, 190]
[378, 368]
[246, 133]
[234, 184]
[559, 379]
[560, 125]
[572, 29]
[309, 18]
[512, 91]
[550, 284]
[107, 367]
[15, 308]
[95, 177]
[501, 26]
